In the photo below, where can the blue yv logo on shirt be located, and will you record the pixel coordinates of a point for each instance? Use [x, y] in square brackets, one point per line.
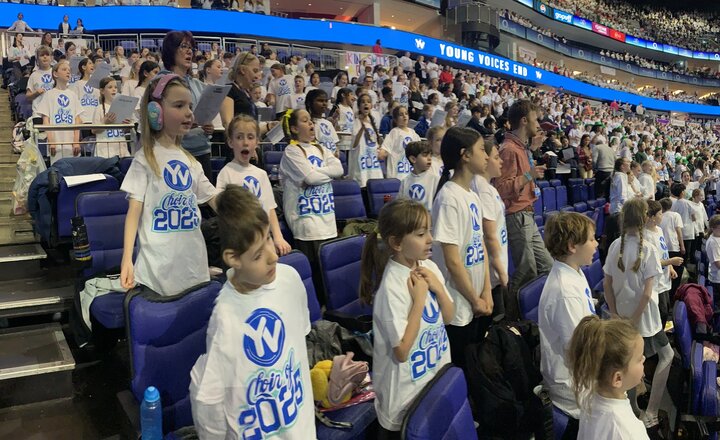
[88, 89]
[316, 161]
[475, 214]
[46, 78]
[431, 312]
[274, 398]
[177, 175]
[253, 185]
[324, 129]
[63, 101]
[264, 337]
[417, 192]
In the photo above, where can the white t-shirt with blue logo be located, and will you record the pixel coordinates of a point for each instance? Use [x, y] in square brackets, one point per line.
[251, 178]
[62, 108]
[493, 210]
[254, 380]
[420, 187]
[325, 134]
[397, 384]
[89, 99]
[657, 238]
[39, 79]
[109, 143]
[713, 253]
[363, 161]
[345, 123]
[437, 165]
[565, 300]
[172, 256]
[395, 143]
[308, 201]
[282, 88]
[296, 101]
[457, 220]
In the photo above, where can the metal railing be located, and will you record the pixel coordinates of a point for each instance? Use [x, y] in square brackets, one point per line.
[122, 134]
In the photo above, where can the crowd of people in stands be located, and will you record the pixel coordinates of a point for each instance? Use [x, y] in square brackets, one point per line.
[691, 29]
[704, 72]
[476, 144]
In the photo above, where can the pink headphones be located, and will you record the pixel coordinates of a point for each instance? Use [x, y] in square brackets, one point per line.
[154, 110]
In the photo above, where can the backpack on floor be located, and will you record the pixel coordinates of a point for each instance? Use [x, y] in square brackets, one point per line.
[502, 372]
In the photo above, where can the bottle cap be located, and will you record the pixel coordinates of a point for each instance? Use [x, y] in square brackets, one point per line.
[77, 221]
[152, 394]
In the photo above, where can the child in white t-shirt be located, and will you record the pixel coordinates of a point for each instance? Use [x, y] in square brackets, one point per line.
[395, 143]
[683, 207]
[712, 248]
[296, 100]
[410, 308]
[60, 106]
[242, 136]
[345, 115]
[435, 136]
[306, 173]
[603, 374]
[459, 246]
[631, 270]
[656, 236]
[279, 88]
[422, 182]
[363, 160]
[41, 80]
[672, 226]
[494, 226]
[89, 96]
[165, 185]
[316, 103]
[110, 142]
[565, 300]
[256, 361]
[700, 221]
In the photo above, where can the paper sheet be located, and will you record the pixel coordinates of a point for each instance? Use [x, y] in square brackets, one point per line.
[463, 119]
[438, 118]
[398, 89]
[209, 104]
[74, 64]
[276, 134]
[24, 62]
[266, 114]
[83, 178]
[417, 105]
[123, 106]
[102, 70]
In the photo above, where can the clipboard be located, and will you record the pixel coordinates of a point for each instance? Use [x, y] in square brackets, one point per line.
[123, 106]
[102, 70]
[208, 105]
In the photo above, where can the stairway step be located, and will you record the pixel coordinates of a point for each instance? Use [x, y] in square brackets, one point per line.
[35, 296]
[35, 365]
[23, 252]
[16, 230]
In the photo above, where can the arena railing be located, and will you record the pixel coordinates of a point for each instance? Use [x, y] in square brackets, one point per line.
[39, 137]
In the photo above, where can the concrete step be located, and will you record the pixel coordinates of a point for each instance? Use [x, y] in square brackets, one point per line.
[35, 365]
[16, 230]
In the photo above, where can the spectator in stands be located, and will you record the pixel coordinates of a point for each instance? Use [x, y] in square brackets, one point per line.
[64, 27]
[603, 159]
[60, 106]
[41, 79]
[79, 26]
[177, 50]
[118, 62]
[169, 259]
[19, 55]
[519, 191]
[19, 25]
[377, 48]
[46, 40]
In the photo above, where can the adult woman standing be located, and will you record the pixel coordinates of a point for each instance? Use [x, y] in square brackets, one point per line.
[416, 99]
[177, 57]
[585, 163]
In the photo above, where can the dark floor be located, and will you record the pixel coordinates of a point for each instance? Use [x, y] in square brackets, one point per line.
[92, 413]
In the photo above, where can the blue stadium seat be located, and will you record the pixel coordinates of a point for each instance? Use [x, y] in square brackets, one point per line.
[594, 275]
[348, 200]
[561, 197]
[549, 202]
[301, 264]
[344, 161]
[590, 187]
[270, 159]
[600, 202]
[441, 410]
[538, 205]
[166, 335]
[555, 182]
[148, 43]
[539, 220]
[549, 214]
[217, 164]
[567, 209]
[580, 207]
[286, 233]
[128, 45]
[529, 298]
[381, 191]
[66, 201]
[104, 217]
[124, 164]
[340, 268]
[542, 184]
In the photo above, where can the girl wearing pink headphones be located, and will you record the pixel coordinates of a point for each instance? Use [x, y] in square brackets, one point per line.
[165, 185]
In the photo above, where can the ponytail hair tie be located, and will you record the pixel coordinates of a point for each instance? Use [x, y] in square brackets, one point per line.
[286, 123]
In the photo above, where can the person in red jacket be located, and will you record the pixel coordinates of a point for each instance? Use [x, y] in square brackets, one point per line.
[446, 76]
[699, 306]
[377, 49]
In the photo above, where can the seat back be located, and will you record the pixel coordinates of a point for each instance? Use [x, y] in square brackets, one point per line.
[560, 422]
[166, 335]
[381, 191]
[66, 201]
[270, 159]
[104, 216]
[580, 207]
[441, 410]
[542, 184]
[549, 202]
[538, 205]
[555, 182]
[683, 334]
[594, 273]
[348, 200]
[561, 197]
[529, 298]
[301, 264]
[539, 220]
[124, 164]
[340, 268]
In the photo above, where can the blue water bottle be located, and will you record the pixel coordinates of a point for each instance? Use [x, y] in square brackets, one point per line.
[151, 415]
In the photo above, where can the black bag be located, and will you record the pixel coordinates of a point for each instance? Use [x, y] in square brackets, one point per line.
[502, 372]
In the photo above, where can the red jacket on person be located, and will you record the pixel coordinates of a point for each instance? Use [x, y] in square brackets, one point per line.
[699, 306]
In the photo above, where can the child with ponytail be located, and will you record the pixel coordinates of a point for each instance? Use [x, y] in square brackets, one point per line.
[631, 271]
[459, 245]
[306, 170]
[410, 309]
[602, 376]
[363, 160]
